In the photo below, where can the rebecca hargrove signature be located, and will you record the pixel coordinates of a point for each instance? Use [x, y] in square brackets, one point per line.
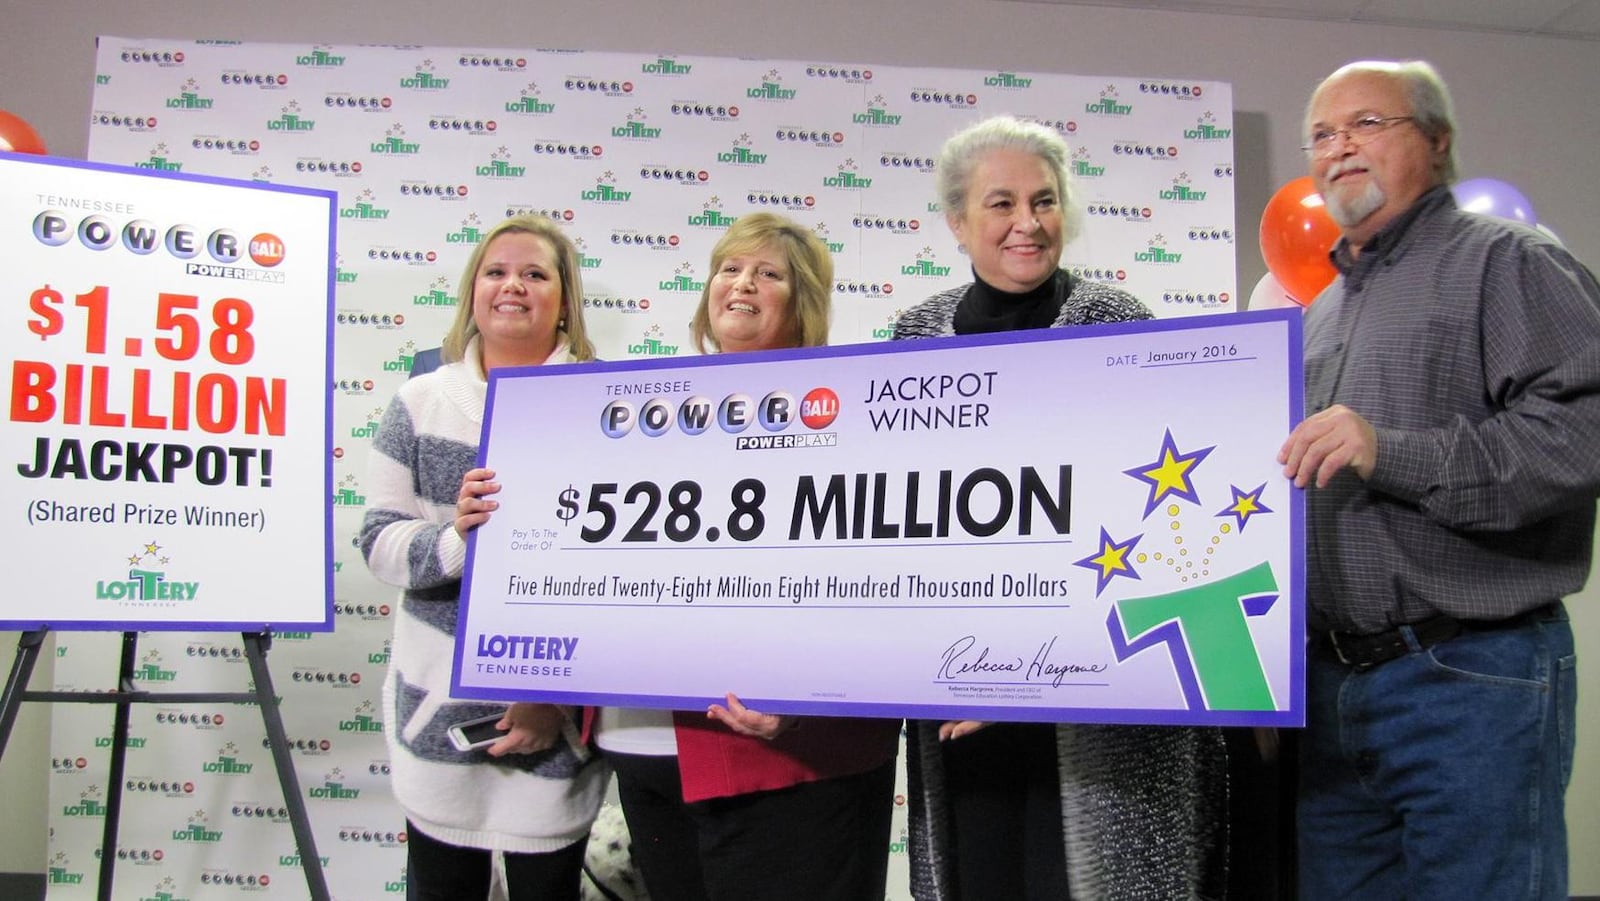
[960, 660]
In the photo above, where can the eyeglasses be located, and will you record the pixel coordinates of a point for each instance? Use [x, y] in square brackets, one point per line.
[1357, 133]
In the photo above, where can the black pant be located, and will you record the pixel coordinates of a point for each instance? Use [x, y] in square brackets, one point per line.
[1005, 813]
[436, 871]
[818, 841]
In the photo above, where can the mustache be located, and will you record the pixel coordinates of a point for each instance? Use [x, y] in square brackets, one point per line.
[1343, 166]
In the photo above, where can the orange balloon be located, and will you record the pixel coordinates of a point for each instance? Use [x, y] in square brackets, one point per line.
[17, 135]
[1296, 235]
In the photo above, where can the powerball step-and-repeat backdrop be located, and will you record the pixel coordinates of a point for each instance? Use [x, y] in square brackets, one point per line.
[645, 159]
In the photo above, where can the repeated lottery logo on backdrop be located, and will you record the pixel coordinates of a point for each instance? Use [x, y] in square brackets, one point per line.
[644, 159]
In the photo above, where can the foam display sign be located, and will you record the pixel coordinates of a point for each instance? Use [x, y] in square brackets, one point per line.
[167, 422]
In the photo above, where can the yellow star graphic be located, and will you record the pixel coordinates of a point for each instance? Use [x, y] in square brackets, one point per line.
[1170, 474]
[1111, 559]
[152, 548]
[1244, 506]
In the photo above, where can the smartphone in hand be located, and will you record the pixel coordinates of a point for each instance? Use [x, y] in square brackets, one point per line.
[476, 733]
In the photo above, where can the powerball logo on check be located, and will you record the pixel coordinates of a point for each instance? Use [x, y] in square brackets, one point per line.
[775, 412]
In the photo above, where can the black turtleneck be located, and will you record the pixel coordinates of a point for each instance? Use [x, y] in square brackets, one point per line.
[986, 308]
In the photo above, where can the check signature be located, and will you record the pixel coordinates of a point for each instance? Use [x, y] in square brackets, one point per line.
[963, 658]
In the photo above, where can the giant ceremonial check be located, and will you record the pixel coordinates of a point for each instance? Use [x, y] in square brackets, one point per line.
[166, 443]
[1062, 525]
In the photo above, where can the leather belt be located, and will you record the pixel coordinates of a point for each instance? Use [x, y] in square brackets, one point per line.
[1363, 651]
[1366, 651]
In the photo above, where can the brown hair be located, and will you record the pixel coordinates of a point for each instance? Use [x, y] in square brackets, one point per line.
[810, 268]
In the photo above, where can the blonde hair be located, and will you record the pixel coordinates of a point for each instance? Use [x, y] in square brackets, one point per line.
[465, 327]
[810, 272]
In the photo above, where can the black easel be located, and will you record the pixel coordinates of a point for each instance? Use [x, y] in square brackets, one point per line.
[256, 645]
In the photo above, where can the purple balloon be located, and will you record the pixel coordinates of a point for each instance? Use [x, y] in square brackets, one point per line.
[1493, 198]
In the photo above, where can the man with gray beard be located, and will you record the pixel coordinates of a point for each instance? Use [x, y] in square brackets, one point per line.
[1449, 452]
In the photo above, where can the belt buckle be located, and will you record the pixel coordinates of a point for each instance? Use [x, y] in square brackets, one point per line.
[1338, 652]
[1333, 639]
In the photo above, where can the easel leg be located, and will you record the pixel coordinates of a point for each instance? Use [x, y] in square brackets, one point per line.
[256, 645]
[21, 671]
[119, 761]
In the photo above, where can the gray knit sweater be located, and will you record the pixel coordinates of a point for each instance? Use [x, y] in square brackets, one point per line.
[1143, 807]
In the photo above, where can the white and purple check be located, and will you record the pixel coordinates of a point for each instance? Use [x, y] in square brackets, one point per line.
[1062, 525]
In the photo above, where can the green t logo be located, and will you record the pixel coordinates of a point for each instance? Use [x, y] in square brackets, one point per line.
[147, 582]
[1205, 631]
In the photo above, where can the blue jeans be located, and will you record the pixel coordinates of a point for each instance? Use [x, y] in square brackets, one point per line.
[1441, 774]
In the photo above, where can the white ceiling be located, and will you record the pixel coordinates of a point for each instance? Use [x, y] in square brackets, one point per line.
[1574, 19]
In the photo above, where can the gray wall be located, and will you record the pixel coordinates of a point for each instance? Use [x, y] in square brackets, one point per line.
[1523, 103]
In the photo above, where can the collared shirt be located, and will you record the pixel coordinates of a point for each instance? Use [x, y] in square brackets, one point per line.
[1472, 345]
